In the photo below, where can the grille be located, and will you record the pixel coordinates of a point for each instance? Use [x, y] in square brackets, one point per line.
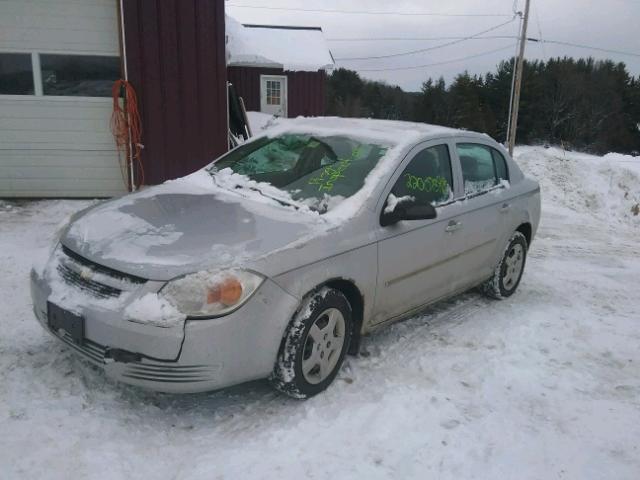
[75, 278]
[170, 373]
[95, 279]
[100, 268]
[91, 350]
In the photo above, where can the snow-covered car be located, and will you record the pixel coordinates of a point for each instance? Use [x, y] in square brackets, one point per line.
[274, 261]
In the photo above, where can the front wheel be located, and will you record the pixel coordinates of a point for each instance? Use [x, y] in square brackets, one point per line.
[314, 345]
[506, 277]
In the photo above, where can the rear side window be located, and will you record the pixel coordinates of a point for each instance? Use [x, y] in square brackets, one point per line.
[482, 167]
[428, 177]
[501, 165]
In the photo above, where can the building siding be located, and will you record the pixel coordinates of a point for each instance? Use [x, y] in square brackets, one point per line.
[60, 26]
[53, 146]
[175, 53]
[306, 90]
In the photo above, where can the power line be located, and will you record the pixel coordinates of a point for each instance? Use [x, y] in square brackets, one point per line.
[368, 12]
[589, 47]
[412, 39]
[416, 67]
[435, 47]
[490, 37]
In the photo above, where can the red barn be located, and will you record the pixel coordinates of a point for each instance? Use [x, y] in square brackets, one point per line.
[279, 70]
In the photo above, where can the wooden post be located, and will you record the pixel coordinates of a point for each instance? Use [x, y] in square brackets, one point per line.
[513, 123]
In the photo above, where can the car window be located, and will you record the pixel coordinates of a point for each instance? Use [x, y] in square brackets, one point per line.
[501, 165]
[319, 171]
[427, 178]
[482, 167]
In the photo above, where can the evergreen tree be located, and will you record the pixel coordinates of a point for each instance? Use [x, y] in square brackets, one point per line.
[585, 104]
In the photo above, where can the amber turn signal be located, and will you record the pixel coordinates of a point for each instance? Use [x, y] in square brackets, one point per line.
[228, 292]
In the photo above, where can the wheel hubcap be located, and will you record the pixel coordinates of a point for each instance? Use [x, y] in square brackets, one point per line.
[323, 346]
[513, 262]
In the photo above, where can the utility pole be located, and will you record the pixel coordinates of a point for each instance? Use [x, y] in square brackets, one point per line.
[513, 120]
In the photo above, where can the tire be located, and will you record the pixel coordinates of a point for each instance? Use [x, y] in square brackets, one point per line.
[311, 341]
[506, 277]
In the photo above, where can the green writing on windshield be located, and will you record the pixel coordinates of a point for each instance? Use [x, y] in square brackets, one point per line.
[332, 173]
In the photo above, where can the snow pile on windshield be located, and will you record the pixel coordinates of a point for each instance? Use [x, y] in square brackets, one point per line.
[367, 132]
[151, 309]
[260, 191]
[289, 48]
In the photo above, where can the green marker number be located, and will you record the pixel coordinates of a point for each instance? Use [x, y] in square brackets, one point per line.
[427, 184]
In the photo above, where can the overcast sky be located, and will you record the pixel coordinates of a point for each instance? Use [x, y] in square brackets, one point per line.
[609, 24]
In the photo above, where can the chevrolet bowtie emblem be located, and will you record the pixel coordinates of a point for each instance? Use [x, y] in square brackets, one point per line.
[86, 274]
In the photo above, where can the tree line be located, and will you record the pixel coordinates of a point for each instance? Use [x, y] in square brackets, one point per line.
[583, 104]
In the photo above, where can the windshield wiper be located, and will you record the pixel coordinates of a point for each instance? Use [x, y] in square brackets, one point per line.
[238, 186]
[284, 203]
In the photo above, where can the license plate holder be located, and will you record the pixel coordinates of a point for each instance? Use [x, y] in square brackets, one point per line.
[60, 319]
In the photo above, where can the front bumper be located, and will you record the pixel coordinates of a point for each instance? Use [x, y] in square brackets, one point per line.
[197, 356]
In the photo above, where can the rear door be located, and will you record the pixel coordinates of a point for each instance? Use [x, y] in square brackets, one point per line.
[484, 207]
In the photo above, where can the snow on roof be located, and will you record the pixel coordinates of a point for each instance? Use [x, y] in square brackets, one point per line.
[393, 131]
[290, 48]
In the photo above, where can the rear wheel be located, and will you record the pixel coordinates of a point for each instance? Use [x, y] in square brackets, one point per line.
[506, 277]
[314, 345]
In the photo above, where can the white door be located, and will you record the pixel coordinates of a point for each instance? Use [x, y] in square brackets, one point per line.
[57, 65]
[273, 95]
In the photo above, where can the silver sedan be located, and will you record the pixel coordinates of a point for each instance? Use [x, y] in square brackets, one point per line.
[275, 260]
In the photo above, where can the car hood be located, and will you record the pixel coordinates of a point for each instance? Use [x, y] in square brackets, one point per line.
[162, 233]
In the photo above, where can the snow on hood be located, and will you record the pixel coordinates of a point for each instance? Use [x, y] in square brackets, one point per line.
[186, 225]
[288, 48]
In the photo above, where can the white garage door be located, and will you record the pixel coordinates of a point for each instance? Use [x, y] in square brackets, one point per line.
[58, 61]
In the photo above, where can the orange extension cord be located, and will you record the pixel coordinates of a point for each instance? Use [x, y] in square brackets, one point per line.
[126, 129]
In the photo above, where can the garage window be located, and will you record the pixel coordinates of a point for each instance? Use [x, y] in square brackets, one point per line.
[16, 74]
[79, 75]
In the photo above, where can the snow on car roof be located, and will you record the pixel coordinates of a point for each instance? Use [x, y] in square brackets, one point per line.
[389, 131]
[274, 46]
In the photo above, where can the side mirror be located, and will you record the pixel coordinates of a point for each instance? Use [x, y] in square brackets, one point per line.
[407, 210]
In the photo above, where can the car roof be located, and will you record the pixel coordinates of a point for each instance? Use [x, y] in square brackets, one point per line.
[373, 128]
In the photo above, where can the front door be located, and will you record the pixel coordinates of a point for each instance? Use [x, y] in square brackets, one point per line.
[414, 257]
[273, 95]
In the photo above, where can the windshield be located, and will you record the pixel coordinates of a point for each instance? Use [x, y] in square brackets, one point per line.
[319, 172]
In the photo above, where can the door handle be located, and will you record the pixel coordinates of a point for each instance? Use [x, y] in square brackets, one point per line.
[453, 226]
[504, 208]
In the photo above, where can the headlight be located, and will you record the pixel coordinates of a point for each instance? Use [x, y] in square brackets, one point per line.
[211, 294]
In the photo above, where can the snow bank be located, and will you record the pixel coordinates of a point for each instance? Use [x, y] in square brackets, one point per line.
[605, 187]
[288, 48]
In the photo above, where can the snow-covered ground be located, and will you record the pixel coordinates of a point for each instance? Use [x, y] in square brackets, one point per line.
[545, 384]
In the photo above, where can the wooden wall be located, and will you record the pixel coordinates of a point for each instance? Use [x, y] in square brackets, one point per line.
[175, 54]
